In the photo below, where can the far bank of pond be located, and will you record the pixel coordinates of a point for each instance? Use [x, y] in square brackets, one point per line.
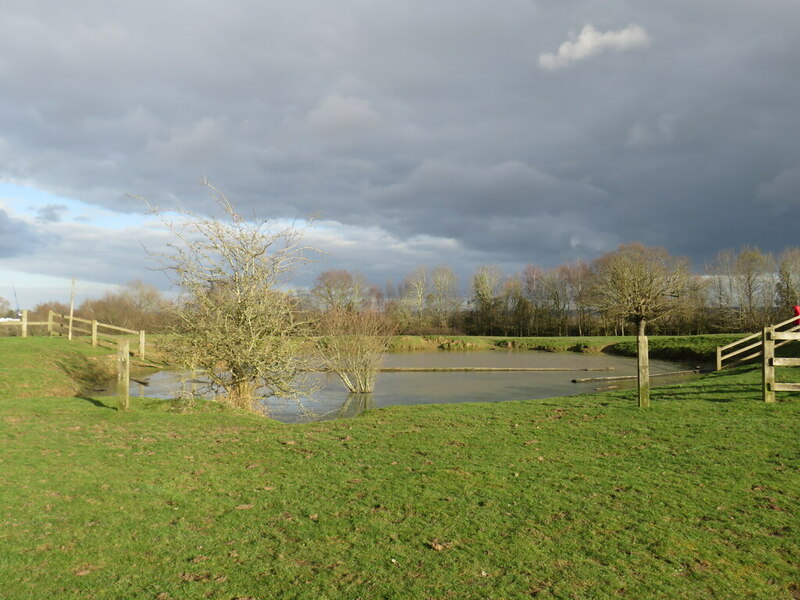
[331, 399]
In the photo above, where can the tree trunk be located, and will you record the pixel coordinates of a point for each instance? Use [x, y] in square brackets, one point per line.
[643, 363]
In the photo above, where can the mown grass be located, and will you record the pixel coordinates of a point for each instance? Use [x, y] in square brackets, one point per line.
[580, 497]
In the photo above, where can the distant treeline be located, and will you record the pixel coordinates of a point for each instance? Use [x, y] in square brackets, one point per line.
[739, 291]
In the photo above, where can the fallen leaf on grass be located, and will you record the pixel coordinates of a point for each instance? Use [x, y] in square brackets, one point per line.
[439, 546]
[195, 576]
[773, 506]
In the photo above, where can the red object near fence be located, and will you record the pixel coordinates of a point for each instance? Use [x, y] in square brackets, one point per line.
[796, 309]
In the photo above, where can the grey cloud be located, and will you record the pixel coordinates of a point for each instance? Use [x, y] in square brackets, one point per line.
[50, 212]
[17, 237]
[418, 117]
[784, 187]
[91, 254]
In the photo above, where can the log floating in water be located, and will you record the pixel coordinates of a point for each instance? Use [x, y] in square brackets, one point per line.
[621, 377]
[459, 369]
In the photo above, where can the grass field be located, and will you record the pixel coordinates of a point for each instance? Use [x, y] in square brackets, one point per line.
[580, 497]
[694, 348]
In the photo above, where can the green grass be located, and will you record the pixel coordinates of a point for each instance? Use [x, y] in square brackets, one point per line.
[580, 497]
[693, 348]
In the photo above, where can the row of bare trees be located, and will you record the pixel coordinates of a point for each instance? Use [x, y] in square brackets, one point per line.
[738, 291]
[136, 305]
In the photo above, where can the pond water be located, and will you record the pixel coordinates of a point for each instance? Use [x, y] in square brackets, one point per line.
[332, 400]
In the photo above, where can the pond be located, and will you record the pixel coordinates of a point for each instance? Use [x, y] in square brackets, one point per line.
[331, 400]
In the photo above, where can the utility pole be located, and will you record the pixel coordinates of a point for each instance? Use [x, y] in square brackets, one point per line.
[71, 308]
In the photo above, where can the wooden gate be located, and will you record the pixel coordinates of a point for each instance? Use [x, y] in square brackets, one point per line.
[770, 386]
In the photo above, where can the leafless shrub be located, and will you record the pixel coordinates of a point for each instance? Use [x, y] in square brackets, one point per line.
[236, 326]
[352, 345]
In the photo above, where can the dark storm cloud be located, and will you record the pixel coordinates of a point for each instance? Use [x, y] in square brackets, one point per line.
[529, 131]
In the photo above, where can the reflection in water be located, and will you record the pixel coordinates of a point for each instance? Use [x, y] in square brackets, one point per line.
[354, 405]
[329, 399]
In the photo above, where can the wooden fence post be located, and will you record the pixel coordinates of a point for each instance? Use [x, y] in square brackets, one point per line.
[719, 358]
[768, 369]
[141, 344]
[94, 333]
[123, 374]
[643, 361]
[50, 323]
[24, 323]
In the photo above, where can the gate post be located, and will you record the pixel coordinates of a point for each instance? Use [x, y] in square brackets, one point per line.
[768, 369]
[123, 374]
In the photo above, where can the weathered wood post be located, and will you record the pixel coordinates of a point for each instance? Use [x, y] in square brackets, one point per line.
[50, 323]
[643, 363]
[71, 309]
[123, 374]
[719, 358]
[141, 344]
[768, 368]
[24, 323]
[94, 333]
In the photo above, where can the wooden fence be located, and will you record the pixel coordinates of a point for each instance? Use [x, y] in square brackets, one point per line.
[772, 339]
[751, 346]
[65, 325]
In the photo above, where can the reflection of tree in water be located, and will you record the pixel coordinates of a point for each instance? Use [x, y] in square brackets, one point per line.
[354, 405]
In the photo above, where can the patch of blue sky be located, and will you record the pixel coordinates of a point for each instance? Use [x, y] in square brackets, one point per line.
[30, 202]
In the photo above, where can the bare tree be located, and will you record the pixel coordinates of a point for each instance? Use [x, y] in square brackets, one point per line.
[639, 284]
[338, 289]
[5, 308]
[788, 287]
[754, 276]
[533, 277]
[485, 291]
[136, 306]
[722, 291]
[237, 327]
[352, 344]
[443, 299]
[415, 288]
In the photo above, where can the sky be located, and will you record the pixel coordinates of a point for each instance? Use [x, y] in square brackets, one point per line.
[463, 133]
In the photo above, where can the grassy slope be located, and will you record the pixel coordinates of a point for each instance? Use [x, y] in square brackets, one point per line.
[698, 348]
[584, 497]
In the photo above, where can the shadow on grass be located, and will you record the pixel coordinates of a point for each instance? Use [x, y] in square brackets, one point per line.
[97, 403]
[85, 371]
[724, 392]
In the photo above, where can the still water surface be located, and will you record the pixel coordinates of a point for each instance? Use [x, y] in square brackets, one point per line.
[331, 400]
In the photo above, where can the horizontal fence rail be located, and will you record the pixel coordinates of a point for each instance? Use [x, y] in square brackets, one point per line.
[755, 348]
[59, 325]
[772, 339]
